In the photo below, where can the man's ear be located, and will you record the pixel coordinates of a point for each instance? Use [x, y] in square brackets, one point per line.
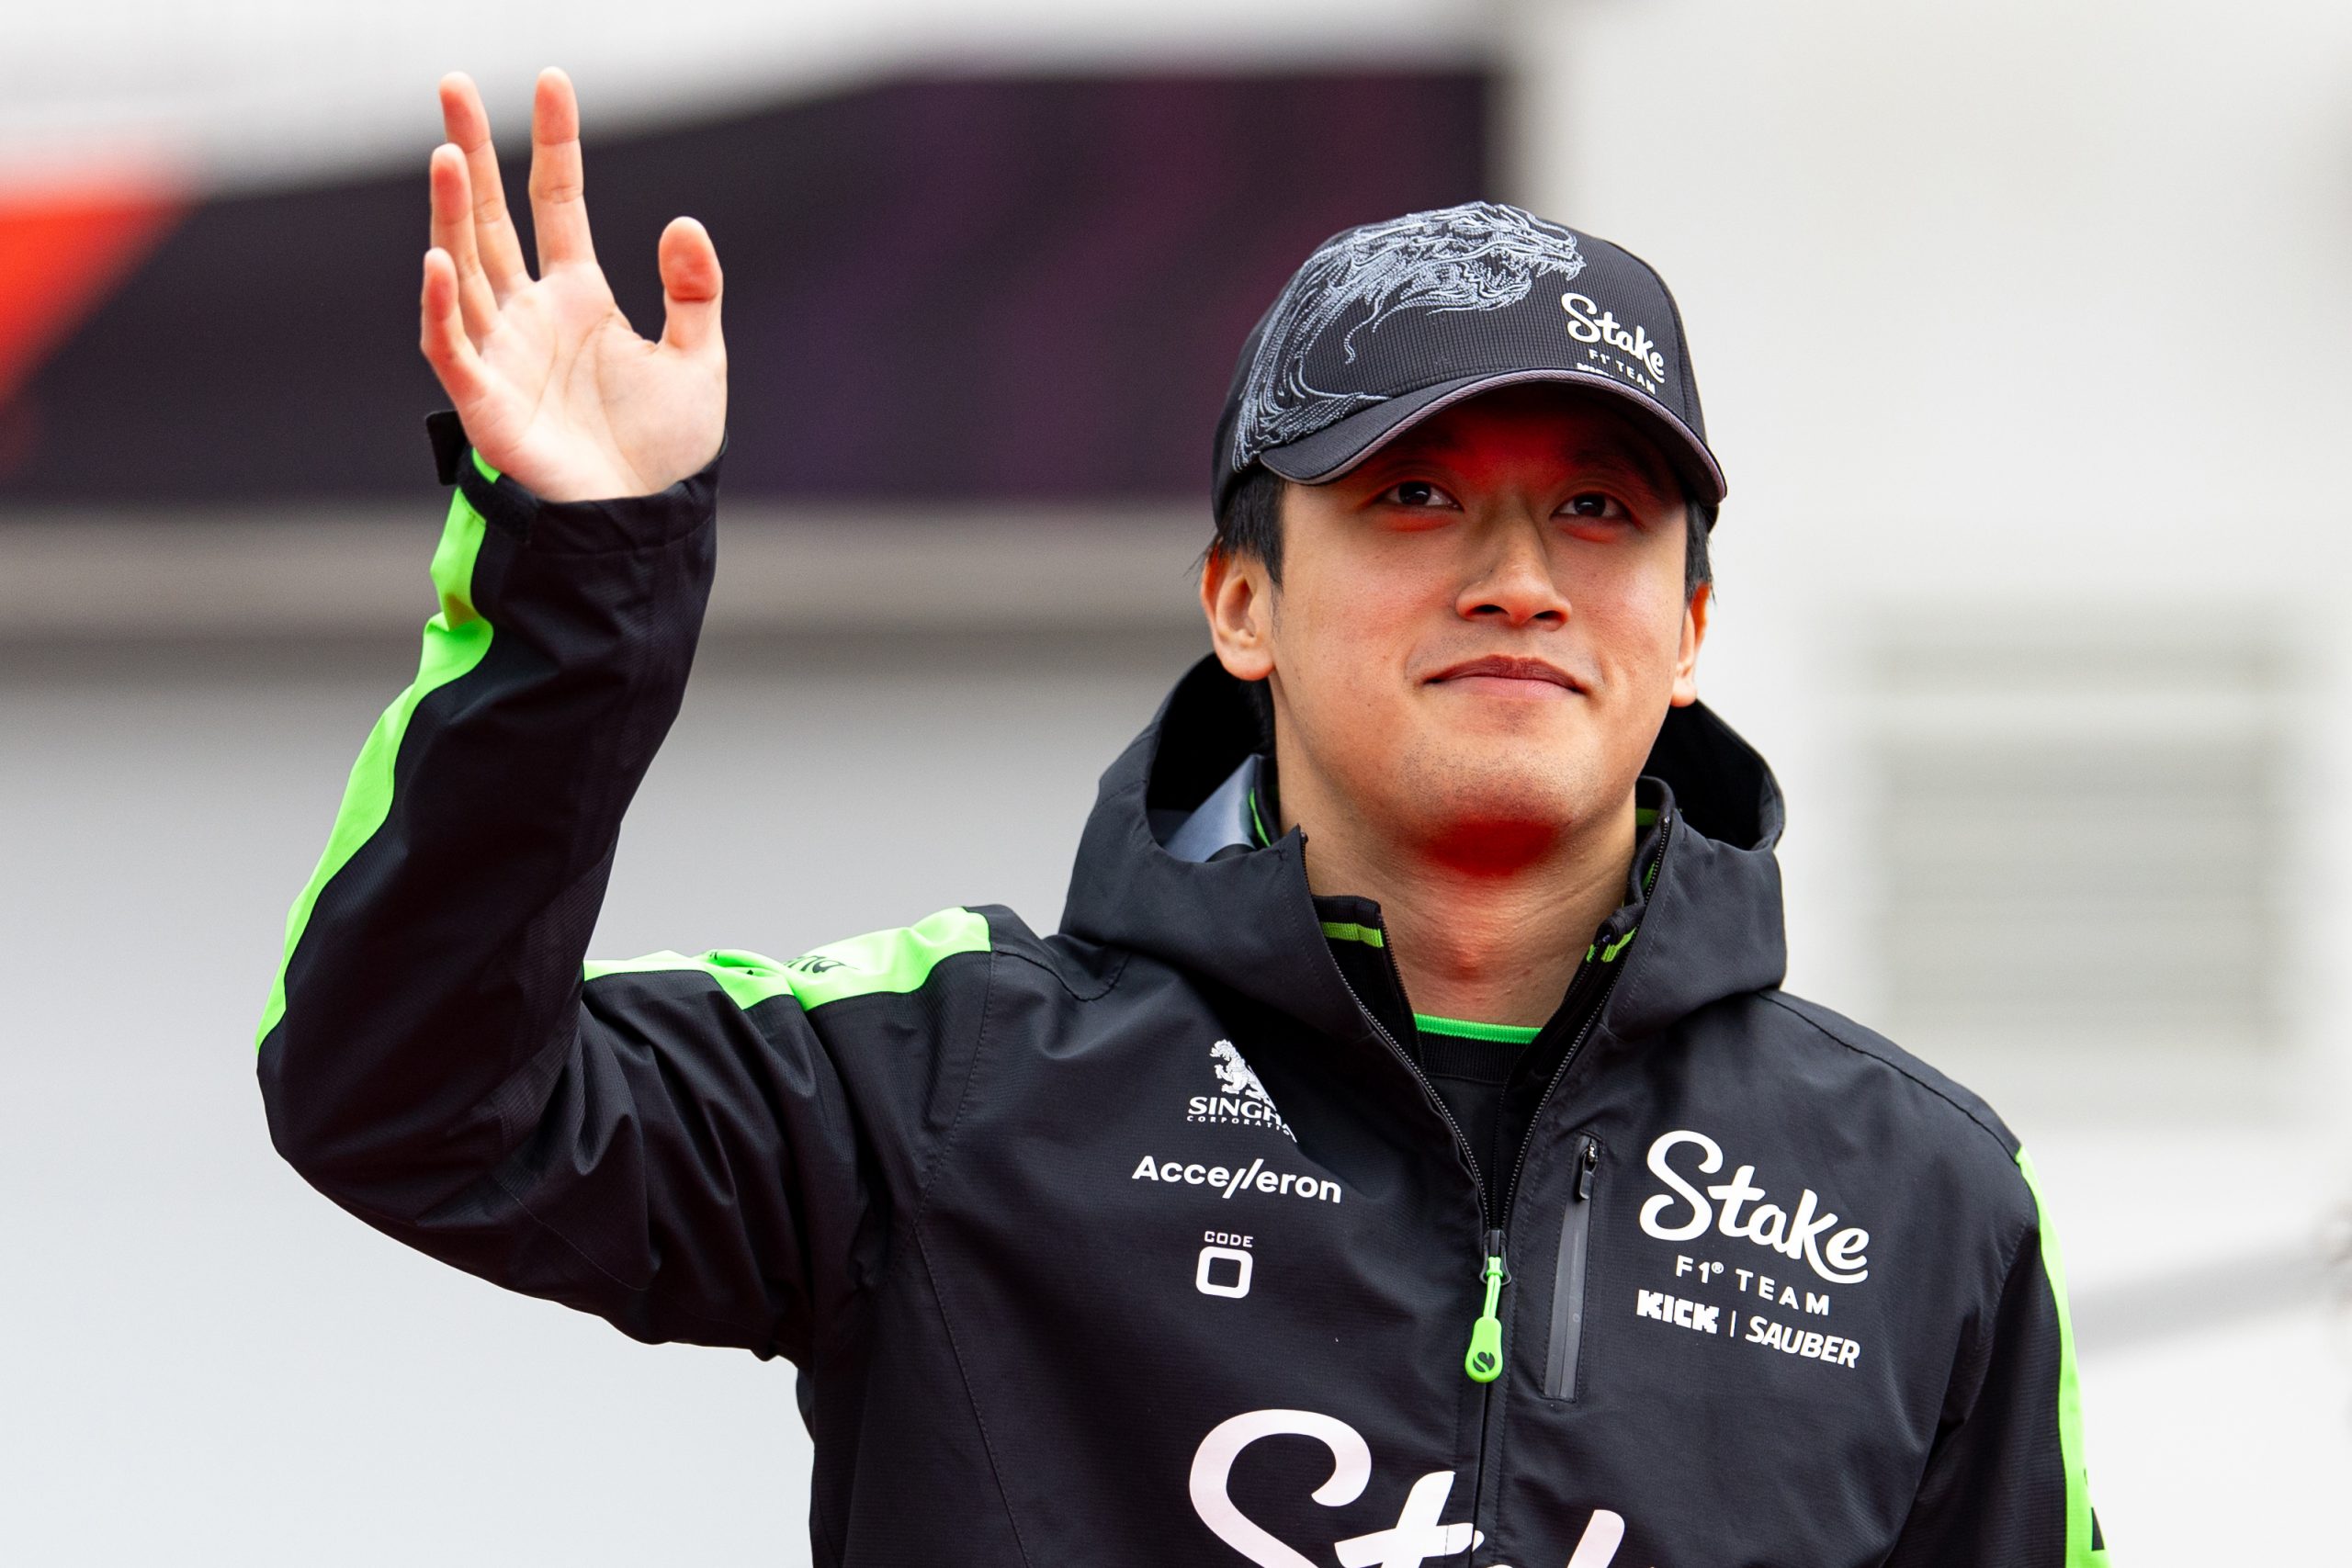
[1686, 660]
[1237, 595]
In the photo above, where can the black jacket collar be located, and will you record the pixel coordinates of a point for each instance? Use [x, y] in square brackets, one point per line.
[1247, 921]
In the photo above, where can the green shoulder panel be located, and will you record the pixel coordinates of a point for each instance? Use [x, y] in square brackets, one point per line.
[455, 641]
[2083, 1548]
[898, 960]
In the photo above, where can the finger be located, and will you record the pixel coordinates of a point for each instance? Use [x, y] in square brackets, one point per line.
[558, 210]
[442, 335]
[498, 246]
[690, 287]
[453, 231]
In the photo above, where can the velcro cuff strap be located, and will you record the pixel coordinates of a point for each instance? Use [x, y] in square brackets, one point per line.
[448, 437]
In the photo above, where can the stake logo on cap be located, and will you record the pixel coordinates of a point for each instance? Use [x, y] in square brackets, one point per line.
[1388, 322]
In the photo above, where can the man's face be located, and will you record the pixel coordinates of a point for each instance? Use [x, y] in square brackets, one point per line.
[1478, 630]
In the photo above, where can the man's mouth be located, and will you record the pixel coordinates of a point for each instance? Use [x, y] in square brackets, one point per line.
[1509, 676]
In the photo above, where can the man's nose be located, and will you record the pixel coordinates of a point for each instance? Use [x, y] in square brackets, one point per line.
[1514, 584]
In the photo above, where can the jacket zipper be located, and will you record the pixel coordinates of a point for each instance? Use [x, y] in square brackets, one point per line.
[1494, 1270]
[1487, 1333]
[1583, 1202]
[1568, 1280]
[1461, 1139]
[1485, 1352]
[1484, 1360]
[1591, 1017]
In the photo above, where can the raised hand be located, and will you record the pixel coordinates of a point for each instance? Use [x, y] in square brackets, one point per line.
[552, 384]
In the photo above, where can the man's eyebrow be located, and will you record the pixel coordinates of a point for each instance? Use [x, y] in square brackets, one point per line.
[1626, 456]
[1628, 460]
[1635, 464]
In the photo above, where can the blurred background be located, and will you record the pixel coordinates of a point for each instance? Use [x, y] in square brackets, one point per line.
[2023, 331]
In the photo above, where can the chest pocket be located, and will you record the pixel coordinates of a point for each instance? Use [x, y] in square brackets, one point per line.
[1564, 1338]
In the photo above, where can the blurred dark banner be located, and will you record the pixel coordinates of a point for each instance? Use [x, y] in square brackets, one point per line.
[962, 290]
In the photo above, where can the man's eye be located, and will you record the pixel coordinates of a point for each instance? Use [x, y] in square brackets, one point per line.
[1416, 492]
[1593, 503]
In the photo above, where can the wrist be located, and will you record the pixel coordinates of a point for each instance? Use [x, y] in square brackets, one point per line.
[628, 521]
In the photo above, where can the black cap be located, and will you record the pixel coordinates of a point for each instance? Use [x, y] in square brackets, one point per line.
[1388, 322]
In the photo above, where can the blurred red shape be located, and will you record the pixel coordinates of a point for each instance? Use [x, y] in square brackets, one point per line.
[65, 246]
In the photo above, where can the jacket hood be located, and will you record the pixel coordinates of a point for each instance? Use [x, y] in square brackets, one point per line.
[1245, 919]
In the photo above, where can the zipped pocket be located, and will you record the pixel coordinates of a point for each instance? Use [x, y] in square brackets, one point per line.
[1569, 1275]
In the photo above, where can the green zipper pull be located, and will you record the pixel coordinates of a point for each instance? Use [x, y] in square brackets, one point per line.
[1485, 1361]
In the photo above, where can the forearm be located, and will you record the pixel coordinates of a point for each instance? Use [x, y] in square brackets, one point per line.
[436, 950]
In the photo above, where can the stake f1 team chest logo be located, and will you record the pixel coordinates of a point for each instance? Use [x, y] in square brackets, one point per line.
[1239, 1097]
[1809, 1234]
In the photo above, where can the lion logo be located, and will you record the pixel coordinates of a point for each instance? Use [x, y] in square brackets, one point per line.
[1240, 1097]
[1236, 1075]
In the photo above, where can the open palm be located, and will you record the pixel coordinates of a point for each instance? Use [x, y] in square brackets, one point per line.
[552, 384]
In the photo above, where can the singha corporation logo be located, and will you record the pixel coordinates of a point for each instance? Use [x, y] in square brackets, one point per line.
[1242, 1097]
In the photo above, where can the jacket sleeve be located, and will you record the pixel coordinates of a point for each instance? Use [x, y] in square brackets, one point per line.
[2006, 1483]
[669, 1142]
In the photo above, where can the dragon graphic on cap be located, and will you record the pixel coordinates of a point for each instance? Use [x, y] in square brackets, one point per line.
[1481, 256]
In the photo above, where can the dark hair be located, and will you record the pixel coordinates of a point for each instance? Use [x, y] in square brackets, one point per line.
[1250, 523]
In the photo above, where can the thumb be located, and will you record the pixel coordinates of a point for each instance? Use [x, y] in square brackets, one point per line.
[690, 287]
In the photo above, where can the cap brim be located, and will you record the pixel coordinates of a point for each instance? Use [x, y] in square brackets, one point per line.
[1334, 449]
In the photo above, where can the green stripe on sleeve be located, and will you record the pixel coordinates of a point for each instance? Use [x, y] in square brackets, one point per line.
[2080, 1553]
[898, 960]
[1463, 1029]
[455, 641]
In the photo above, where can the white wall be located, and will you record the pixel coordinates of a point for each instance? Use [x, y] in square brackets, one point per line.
[2033, 309]
[2026, 293]
[2035, 313]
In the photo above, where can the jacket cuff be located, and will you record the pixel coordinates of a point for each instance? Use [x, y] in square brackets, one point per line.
[620, 523]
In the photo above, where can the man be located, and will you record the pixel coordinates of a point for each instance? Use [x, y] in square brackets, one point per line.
[1404, 1150]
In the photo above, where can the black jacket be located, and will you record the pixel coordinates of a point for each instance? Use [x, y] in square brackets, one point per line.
[1149, 1242]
